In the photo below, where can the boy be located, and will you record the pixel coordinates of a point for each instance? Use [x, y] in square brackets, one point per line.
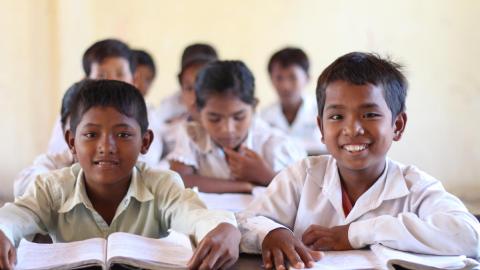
[294, 113]
[106, 59]
[145, 71]
[107, 191]
[173, 109]
[357, 196]
[109, 59]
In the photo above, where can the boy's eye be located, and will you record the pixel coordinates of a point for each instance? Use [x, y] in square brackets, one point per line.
[90, 135]
[239, 117]
[124, 135]
[335, 117]
[214, 119]
[371, 115]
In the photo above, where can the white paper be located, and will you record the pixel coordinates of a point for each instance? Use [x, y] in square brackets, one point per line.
[60, 255]
[174, 250]
[343, 260]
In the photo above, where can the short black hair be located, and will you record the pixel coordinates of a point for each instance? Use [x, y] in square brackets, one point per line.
[124, 97]
[289, 56]
[225, 78]
[67, 101]
[103, 49]
[194, 62]
[143, 58]
[366, 68]
[198, 50]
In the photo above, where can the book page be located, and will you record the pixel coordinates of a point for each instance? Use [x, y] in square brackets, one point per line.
[60, 255]
[350, 259]
[175, 250]
[409, 260]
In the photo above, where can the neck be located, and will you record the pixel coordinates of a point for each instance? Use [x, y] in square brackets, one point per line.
[106, 195]
[290, 110]
[357, 182]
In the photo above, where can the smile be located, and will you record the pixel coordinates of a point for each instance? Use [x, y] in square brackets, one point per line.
[106, 163]
[353, 148]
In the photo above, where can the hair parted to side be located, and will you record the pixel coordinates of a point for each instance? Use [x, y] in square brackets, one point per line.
[366, 68]
[124, 97]
[103, 49]
[143, 58]
[225, 78]
[289, 56]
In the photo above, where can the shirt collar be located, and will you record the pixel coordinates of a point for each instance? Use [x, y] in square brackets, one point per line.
[79, 195]
[390, 185]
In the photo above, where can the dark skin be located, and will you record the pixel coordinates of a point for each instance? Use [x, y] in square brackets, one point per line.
[280, 245]
[290, 111]
[209, 184]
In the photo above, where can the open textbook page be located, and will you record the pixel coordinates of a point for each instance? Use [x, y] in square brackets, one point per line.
[390, 257]
[90, 252]
[381, 257]
[171, 252]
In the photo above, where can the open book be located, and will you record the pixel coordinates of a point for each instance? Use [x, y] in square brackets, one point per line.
[381, 257]
[171, 252]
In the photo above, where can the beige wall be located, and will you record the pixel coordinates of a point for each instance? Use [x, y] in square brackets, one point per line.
[438, 42]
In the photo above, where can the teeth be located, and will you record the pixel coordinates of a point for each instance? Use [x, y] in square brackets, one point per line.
[105, 162]
[355, 148]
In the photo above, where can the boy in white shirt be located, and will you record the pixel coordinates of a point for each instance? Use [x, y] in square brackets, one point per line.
[294, 113]
[357, 196]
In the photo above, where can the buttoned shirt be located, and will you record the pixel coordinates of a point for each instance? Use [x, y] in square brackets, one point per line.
[57, 204]
[404, 209]
[304, 127]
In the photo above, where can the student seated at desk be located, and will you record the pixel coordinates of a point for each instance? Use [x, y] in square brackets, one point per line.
[294, 113]
[230, 151]
[107, 191]
[173, 108]
[111, 59]
[357, 196]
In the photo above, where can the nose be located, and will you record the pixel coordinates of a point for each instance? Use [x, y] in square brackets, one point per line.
[107, 145]
[353, 127]
[228, 126]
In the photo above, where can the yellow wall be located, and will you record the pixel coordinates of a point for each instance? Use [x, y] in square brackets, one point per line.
[438, 42]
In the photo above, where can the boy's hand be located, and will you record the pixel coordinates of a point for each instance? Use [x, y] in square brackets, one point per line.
[280, 244]
[321, 238]
[250, 166]
[218, 249]
[8, 255]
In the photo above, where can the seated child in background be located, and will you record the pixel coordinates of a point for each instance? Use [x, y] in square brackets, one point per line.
[173, 108]
[231, 151]
[110, 59]
[186, 78]
[50, 161]
[145, 71]
[294, 113]
[108, 191]
[357, 196]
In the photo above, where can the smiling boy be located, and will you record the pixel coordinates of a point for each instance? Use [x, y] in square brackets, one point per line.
[107, 191]
[357, 196]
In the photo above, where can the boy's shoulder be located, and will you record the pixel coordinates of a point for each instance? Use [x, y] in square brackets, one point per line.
[157, 180]
[415, 179]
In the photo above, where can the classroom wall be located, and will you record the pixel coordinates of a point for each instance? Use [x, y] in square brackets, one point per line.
[438, 42]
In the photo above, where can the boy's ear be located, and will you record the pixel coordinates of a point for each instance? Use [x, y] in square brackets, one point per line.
[70, 139]
[255, 103]
[147, 140]
[399, 126]
[320, 126]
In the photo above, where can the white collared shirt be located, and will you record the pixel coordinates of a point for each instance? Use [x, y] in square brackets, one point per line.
[304, 128]
[405, 209]
[171, 108]
[195, 148]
